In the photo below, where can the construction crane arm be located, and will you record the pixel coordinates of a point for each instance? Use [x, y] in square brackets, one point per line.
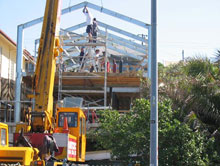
[49, 48]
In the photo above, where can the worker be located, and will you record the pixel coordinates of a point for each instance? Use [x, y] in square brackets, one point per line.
[81, 57]
[95, 61]
[89, 22]
[97, 64]
[94, 30]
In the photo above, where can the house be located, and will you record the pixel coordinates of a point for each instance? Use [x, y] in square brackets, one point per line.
[8, 69]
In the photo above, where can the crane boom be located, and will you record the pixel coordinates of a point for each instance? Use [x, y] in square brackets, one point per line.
[43, 84]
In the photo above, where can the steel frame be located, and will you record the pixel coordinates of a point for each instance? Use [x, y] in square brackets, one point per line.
[20, 31]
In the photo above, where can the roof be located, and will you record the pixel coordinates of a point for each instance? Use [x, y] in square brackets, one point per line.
[26, 53]
[7, 37]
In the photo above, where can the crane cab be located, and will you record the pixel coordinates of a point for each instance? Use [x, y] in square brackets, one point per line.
[3, 135]
[71, 140]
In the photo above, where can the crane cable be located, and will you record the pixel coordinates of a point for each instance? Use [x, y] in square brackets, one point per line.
[101, 5]
[70, 2]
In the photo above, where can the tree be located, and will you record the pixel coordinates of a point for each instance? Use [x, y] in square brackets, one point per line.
[128, 136]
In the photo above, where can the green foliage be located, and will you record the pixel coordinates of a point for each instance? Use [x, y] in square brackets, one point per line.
[194, 88]
[198, 65]
[128, 136]
[187, 136]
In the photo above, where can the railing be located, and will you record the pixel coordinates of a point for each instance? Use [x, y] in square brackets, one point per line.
[7, 109]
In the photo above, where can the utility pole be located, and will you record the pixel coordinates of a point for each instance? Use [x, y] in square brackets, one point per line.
[154, 88]
[183, 57]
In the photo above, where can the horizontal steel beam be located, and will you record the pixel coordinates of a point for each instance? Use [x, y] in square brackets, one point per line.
[117, 15]
[82, 77]
[124, 41]
[82, 91]
[125, 89]
[64, 11]
[75, 27]
[113, 41]
[81, 25]
[84, 44]
[123, 52]
[95, 7]
[96, 108]
[128, 34]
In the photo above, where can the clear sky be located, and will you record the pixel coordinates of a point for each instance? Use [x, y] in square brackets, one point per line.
[189, 25]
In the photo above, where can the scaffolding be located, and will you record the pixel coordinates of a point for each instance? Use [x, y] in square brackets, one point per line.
[112, 40]
[73, 42]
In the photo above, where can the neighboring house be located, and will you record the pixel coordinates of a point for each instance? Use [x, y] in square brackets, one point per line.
[8, 66]
[167, 63]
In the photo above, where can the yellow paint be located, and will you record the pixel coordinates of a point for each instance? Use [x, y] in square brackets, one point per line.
[75, 131]
[23, 155]
[46, 67]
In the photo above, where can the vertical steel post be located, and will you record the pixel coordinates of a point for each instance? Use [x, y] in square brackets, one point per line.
[149, 52]
[154, 88]
[105, 82]
[17, 111]
[5, 112]
[183, 56]
[35, 50]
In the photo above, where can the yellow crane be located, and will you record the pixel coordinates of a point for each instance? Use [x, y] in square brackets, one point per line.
[64, 133]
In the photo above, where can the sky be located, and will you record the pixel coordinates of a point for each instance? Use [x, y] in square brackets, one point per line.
[189, 25]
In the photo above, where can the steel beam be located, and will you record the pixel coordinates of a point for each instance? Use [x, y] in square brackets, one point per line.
[81, 25]
[120, 41]
[95, 7]
[123, 52]
[84, 44]
[117, 15]
[19, 62]
[64, 11]
[83, 91]
[125, 90]
[113, 41]
[73, 28]
[128, 34]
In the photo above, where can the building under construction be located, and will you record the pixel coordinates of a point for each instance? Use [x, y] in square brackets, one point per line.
[110, 80]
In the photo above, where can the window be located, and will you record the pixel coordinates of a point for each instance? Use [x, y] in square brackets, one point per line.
[71, 119]
[31, 67]
[26, 66]
[83, 126]
[80, 127]
[3, 137]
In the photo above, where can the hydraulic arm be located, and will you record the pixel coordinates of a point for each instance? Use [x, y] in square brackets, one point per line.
[49, 48]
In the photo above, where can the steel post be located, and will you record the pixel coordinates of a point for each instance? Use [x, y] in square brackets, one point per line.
[149, 52]
[17, 111]
[154, 88]
[105, 82]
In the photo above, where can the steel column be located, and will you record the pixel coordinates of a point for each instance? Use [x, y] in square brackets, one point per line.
[105, 81]
[149, 53]
[154, 88]
[19, 62]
